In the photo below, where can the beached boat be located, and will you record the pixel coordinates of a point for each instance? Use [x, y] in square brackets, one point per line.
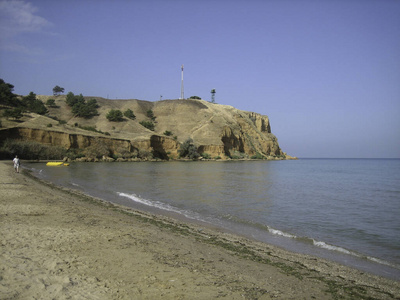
[56, 163]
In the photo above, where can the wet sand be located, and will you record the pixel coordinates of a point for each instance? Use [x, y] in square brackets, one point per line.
[60, 244]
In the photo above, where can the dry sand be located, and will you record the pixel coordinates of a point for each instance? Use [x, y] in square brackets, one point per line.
[59, 244]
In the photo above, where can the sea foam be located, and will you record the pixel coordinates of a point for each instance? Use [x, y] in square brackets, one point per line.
[281, 233]
[333, 248]
[162, 206]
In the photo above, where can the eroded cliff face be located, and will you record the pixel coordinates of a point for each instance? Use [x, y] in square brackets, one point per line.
[159, 146]
[247, 135]
[217, 130]
[255, 135]
[163, 147]
[63, 139]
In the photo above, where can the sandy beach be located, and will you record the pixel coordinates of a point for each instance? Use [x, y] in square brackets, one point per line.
[60, 244]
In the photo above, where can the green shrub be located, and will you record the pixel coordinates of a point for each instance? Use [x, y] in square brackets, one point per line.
[92, 128]
[71, 99]
[238, 155]
[188, 149]
[49, 125]
[31, 150]
[129, 114]
[34, 105]
[74, 154]
[51, 103]
[257, 156]
[15, 113]
[81, 107]
[89, 128]
[148, 124]
[143, 154]
[206, 155]
[115, 115]
[167, 133]
[150, 114]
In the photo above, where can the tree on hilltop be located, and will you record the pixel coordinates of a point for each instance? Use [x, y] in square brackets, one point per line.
[31, 103]
[7, 97]
[57, 90]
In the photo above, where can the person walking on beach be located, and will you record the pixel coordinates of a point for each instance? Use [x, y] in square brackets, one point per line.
[16, 164]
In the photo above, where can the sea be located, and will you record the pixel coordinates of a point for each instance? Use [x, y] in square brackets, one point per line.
[344, 210]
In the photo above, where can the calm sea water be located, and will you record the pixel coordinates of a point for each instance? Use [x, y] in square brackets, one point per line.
[347, 210]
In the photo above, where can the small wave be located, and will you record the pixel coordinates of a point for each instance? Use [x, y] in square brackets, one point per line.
[162, 206]
[383, 262]
[345, 251]
[195, 216]
[262, 227]
[75, 184]
[281, 233]
[333, 248]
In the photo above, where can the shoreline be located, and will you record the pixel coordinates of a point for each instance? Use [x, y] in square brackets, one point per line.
[60, 243]
[376, 265]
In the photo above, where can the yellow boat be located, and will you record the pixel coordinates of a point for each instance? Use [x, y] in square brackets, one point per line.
[56, 163]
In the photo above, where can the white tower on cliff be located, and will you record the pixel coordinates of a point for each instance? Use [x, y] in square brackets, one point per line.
[182, 94]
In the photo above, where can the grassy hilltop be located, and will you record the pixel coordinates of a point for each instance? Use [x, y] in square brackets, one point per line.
[136, 129]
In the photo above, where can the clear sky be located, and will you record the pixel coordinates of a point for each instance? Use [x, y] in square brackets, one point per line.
[326, 72]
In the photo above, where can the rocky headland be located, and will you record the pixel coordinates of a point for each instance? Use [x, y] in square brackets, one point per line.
[216, 131]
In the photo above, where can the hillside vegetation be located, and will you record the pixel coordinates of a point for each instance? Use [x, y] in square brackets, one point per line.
[135, 129]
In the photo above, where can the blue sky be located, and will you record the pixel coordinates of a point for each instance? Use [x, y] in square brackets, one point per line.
[327, 73]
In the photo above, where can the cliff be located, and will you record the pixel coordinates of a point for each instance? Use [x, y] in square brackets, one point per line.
[216, 130]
